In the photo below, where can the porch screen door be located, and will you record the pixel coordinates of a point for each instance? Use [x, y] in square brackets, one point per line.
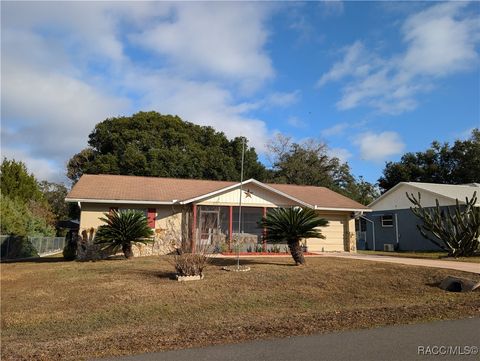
[209, 224]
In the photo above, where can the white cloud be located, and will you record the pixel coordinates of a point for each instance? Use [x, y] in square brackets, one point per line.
[355, 63]
[440, 41]
[59, 82]
[283, 99]
[337, 129]
[51, 114]
[340, 153]
[222, 39]
[204, 103]
[379, 146]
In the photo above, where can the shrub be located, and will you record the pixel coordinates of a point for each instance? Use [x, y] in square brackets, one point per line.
[70, 249]
[122, 229]
[190, 264]
[291, 225]
[14, 247]
[275, 249]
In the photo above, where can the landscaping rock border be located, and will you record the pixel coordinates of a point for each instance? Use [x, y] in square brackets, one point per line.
[236, 269]
[189, 278]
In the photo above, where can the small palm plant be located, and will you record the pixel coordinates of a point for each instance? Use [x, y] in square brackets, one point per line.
[122, 229]
[291, 225]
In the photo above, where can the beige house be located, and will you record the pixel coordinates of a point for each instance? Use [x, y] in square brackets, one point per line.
[203, 212]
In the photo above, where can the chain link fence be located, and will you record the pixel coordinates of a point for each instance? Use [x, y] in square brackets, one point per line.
[14, 247]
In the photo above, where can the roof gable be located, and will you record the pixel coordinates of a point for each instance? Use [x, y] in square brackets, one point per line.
[395, 198]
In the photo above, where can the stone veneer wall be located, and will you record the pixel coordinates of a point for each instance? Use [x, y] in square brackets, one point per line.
[87, 250]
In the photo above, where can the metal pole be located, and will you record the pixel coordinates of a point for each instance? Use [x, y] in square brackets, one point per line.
[240, 204]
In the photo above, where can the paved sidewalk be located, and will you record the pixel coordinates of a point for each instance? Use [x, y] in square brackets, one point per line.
[385, 344]
[455, 265]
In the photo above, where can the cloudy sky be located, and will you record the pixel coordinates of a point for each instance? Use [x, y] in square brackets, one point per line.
[372, 79]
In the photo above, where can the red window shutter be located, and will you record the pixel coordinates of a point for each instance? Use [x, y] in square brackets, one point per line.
[151, 214]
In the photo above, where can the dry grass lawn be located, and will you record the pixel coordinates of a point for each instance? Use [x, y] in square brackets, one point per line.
[75, 311]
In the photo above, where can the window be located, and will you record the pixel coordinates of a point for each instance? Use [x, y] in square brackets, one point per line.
[144, 210]
[387, 221]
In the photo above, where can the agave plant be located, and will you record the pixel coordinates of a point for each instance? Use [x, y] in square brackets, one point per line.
[291, 225]
[122, 229]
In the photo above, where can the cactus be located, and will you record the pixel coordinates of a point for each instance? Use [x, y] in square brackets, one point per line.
[455, 229]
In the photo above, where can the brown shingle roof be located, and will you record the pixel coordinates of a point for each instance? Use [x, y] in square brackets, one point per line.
[155, 189]
[320, 196]
[133, 188]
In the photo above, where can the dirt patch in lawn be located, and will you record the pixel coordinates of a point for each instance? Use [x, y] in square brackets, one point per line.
[75, 311]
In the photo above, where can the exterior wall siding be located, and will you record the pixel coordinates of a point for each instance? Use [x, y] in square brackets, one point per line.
[166, 217]
[171, 219]
[398, 199]
[258, 197]
[409, 237]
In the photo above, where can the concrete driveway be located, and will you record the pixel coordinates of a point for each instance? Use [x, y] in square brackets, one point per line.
[430, 341]
[455, 265]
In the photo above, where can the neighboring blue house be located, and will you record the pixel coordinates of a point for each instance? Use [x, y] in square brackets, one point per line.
[392, 226]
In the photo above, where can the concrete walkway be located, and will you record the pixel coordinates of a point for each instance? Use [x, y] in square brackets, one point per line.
[455, 265]
[409, 342]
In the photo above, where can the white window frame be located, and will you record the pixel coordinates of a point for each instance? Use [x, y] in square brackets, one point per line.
[383, 221]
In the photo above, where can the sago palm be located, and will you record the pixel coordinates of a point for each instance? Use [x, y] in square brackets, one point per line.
[122, 229]
[291, 225]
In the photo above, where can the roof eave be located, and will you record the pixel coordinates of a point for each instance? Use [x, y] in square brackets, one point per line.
[342, 209]
[118, 201]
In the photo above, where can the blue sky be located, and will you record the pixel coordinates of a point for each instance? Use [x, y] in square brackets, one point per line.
[371, 79]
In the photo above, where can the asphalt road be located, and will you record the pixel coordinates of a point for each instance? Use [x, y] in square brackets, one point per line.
[385, 344]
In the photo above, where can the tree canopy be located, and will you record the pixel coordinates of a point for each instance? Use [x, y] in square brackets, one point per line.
[441, 163]
[17, 183]
[310, 164]
[24, 209]
[152, 144]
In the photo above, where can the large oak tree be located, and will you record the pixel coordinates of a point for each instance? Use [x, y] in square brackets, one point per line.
[153, 144]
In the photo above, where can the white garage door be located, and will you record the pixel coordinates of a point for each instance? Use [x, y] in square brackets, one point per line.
[333, 237]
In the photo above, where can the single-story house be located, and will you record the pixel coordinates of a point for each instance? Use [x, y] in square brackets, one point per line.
[205, 212]
[392, 225]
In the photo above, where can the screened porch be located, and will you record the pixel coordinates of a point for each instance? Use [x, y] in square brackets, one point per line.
[218, 229]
